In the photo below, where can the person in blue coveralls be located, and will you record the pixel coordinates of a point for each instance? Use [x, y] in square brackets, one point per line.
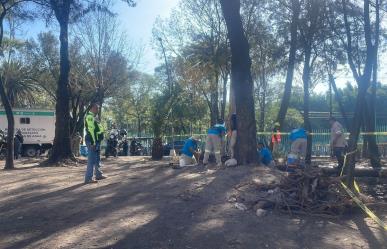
[298, 137]
[265, 155]
[214, 142]
[188, 153]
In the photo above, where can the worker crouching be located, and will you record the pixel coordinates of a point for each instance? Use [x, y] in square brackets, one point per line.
[298, 149]
[189, 154]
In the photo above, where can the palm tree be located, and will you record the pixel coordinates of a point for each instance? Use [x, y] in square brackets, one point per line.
[20, 88]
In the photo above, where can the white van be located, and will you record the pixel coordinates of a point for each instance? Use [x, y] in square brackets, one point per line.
[37, 127]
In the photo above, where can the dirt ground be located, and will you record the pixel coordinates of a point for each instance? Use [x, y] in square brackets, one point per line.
[145, 204]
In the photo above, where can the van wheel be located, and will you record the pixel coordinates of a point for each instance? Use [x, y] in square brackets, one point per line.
[30, 151]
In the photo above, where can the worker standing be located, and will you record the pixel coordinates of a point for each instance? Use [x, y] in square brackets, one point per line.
[18, 144]
[298, 137]
[338, 142]
[275, 138]
[93, 139]
[214, 142]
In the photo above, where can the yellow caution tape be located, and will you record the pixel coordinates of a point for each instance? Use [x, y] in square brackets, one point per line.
[356, 199]
[364, 207]
[376, 133]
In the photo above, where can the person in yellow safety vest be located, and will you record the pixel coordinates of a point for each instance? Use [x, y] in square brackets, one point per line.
[214, 143]
[93, 139]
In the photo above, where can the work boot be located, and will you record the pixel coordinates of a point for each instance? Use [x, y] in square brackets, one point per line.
[101, 177]
[91, 181]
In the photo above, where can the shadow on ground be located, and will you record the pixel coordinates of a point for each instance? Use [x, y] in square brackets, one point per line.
[146, 204]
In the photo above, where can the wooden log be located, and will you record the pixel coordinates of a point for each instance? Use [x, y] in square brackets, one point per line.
[360, 172]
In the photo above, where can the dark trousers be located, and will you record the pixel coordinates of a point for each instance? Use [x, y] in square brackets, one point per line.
[339, 154]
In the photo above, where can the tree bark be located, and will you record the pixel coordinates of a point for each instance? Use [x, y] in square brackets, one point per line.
[261, 123]
[306, 81]
[243, 84]
[9, 164]
[370, 121]
[224, 98]
[138, 126]
[11, 127]
[363, 81]
[62, 147]
[157, 148]
[369, 125]
[292, 60]
[214, 95]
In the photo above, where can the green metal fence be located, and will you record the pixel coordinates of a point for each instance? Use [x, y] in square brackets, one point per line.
[320, 141]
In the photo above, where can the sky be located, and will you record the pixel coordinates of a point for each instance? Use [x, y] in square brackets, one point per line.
[138, 22]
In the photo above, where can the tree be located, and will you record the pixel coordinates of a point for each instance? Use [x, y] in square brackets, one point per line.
[361, 73]
[312, 36]
[134, 102]
[241, 82]
[6, 7]
[163, 103]
[195, 34]
[266, 52]
[295, 8]
[63, 10]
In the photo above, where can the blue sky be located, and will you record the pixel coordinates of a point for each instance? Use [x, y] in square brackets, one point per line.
[136, 22]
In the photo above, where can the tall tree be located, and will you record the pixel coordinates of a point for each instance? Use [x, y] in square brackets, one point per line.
[362, 77]
[242, 83]
[63, 10]
[196, 32]
[6, 7]
[295, 7]
[312, 37]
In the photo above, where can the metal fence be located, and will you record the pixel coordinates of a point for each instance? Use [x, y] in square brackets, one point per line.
[320, 141]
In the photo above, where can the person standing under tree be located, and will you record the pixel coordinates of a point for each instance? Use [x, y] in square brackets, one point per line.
[275, 138]
[338, 142]
[18, 144]
[93, 139]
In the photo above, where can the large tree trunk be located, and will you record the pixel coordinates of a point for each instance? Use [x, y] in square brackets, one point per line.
[157, 148]
[6, 103]
[138, 126]
[370, 124]
[224, 98]
[11, 127]
[306, 81]
[62, 147]
[215, 101]
[363, 82]
[261, 123]
[354, 134]
[292, 60]
[246, 151]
